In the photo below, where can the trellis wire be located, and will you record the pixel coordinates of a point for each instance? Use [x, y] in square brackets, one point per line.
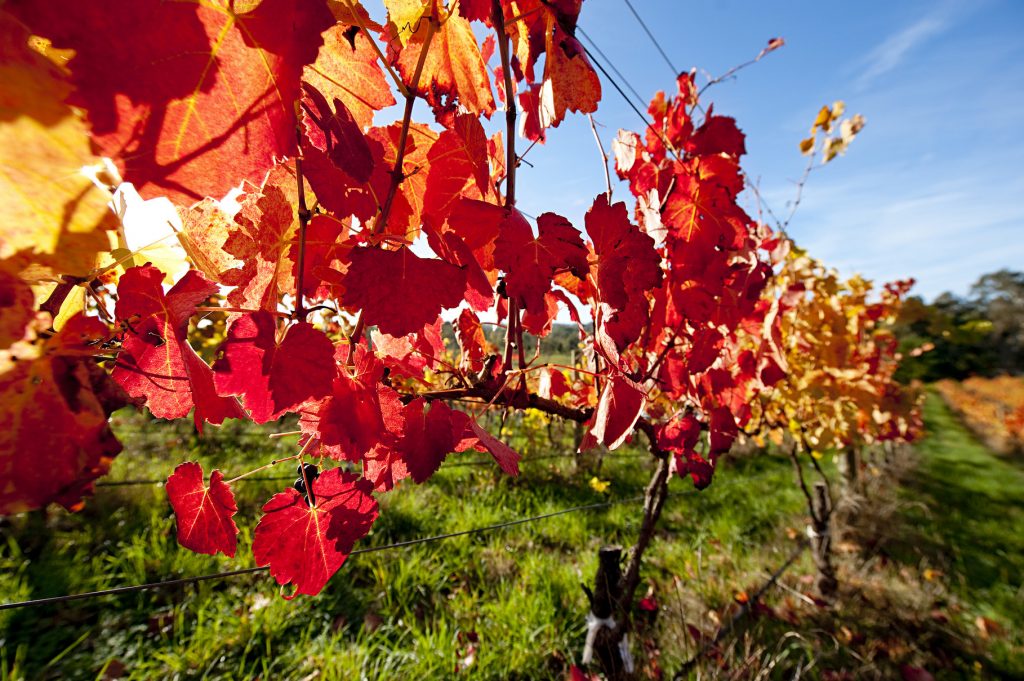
[53, 600]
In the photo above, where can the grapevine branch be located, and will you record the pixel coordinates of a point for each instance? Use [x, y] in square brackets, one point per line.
[303, 214]
[514, 332]
[397, 173]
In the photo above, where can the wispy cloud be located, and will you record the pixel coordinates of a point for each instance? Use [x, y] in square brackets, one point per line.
[888, 54]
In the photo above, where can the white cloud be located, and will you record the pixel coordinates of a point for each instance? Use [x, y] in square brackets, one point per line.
[888, 54]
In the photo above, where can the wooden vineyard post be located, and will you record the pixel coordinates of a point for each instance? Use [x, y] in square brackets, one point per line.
[849, 462]
[601, 625]
[821, 542]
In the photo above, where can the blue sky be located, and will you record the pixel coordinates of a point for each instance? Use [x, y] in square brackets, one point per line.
[932, 188]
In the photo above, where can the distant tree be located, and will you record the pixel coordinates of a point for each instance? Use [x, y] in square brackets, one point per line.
[954, 337]
[999, 298]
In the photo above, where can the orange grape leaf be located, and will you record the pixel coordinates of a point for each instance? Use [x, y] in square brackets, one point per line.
[205, 228]
[347, 69]
[261, 239]
[453, 70]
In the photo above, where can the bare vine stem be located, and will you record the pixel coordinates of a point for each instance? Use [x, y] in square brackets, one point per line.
[604, 156]
[514, 332]
[303, 214]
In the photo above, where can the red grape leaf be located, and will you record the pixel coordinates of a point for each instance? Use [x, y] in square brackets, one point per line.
[409, 355]
[203, 513]
[398, 291]
[156, 361]
[451, 248]
[304, 545]
[429, 436]
[618, 409]
[628, 265]
[332, 129]
[717, 135]
[347, 69]
[55, 437]
[273, 377]
[17, 307]
[359, 413]
[530, 262]
[458, 167]
[472, 343]
[507, 458]
[177, 92]
[326, 257]
[679, 434]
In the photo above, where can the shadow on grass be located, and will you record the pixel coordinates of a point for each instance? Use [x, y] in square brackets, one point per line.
[972, 517]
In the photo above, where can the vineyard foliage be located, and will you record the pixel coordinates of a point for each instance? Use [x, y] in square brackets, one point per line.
[991, 407]
[839, 389]
[328, 273]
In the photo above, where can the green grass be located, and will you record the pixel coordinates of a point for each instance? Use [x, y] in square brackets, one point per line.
[409, 613]
[394, 614]
[968, 521]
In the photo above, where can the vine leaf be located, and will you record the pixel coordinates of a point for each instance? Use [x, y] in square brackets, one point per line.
[330, 127]
[400, 292]
[530, 262]
[50, 209]
[454, 71]
[176, 92]
[156, 362]
[627, 266]
[507, 458]
[359, 413]
[55, 437]
[203, 512]
[429, 435]
[347, 69]
[273, 377]
[303, 545]
[617, 411]
[458, 167]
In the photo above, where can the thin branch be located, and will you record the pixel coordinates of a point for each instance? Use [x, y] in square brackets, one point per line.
[376, 48]
[235, 310]
[799, 192]
[773, 44]
[803, 483]
[604, 156]
[398, 174]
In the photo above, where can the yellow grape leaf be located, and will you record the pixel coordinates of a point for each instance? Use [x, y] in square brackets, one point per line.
[404, 16]
[49, 208]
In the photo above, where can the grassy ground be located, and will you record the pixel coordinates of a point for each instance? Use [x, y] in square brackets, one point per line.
[512, 597]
